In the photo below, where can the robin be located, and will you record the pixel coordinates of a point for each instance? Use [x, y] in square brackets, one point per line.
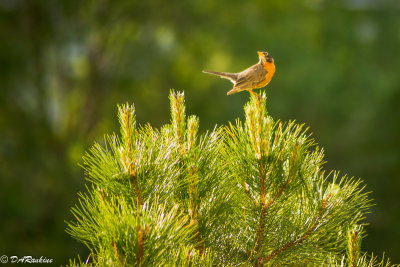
[257, 76]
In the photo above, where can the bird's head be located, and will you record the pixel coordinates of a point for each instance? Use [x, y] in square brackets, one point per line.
[265, 57]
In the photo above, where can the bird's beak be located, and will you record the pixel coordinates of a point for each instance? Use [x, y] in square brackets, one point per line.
[260, 54]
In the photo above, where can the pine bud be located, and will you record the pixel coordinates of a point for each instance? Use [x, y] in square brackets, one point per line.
[178, 113]
[354, 245]
[193, 127]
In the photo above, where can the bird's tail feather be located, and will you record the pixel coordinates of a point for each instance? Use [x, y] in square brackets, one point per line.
[234, 91]
[226, 75]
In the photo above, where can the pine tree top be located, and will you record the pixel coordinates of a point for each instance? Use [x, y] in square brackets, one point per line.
[250, 194]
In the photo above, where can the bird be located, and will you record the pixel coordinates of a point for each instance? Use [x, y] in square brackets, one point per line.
[256, 76]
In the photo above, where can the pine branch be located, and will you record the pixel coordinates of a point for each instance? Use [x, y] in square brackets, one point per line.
[246, 190]
[186, 133]
[298, 240]
[140, 236]
[290, 177]
[128, 130]
[261, 225]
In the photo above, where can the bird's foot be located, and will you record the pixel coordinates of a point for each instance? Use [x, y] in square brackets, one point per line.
[254, 93]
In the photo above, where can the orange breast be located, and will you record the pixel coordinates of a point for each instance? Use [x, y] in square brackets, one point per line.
[270, 67]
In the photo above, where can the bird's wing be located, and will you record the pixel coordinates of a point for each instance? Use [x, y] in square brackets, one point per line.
[251, 77]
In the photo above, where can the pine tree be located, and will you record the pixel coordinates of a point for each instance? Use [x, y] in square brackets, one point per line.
[249, 194]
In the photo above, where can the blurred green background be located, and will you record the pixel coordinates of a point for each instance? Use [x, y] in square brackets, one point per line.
[65, 65]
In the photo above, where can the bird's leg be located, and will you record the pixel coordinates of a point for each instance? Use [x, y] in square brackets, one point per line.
[254, 93]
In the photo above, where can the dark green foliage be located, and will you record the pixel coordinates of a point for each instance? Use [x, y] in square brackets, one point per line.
[254, 193]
